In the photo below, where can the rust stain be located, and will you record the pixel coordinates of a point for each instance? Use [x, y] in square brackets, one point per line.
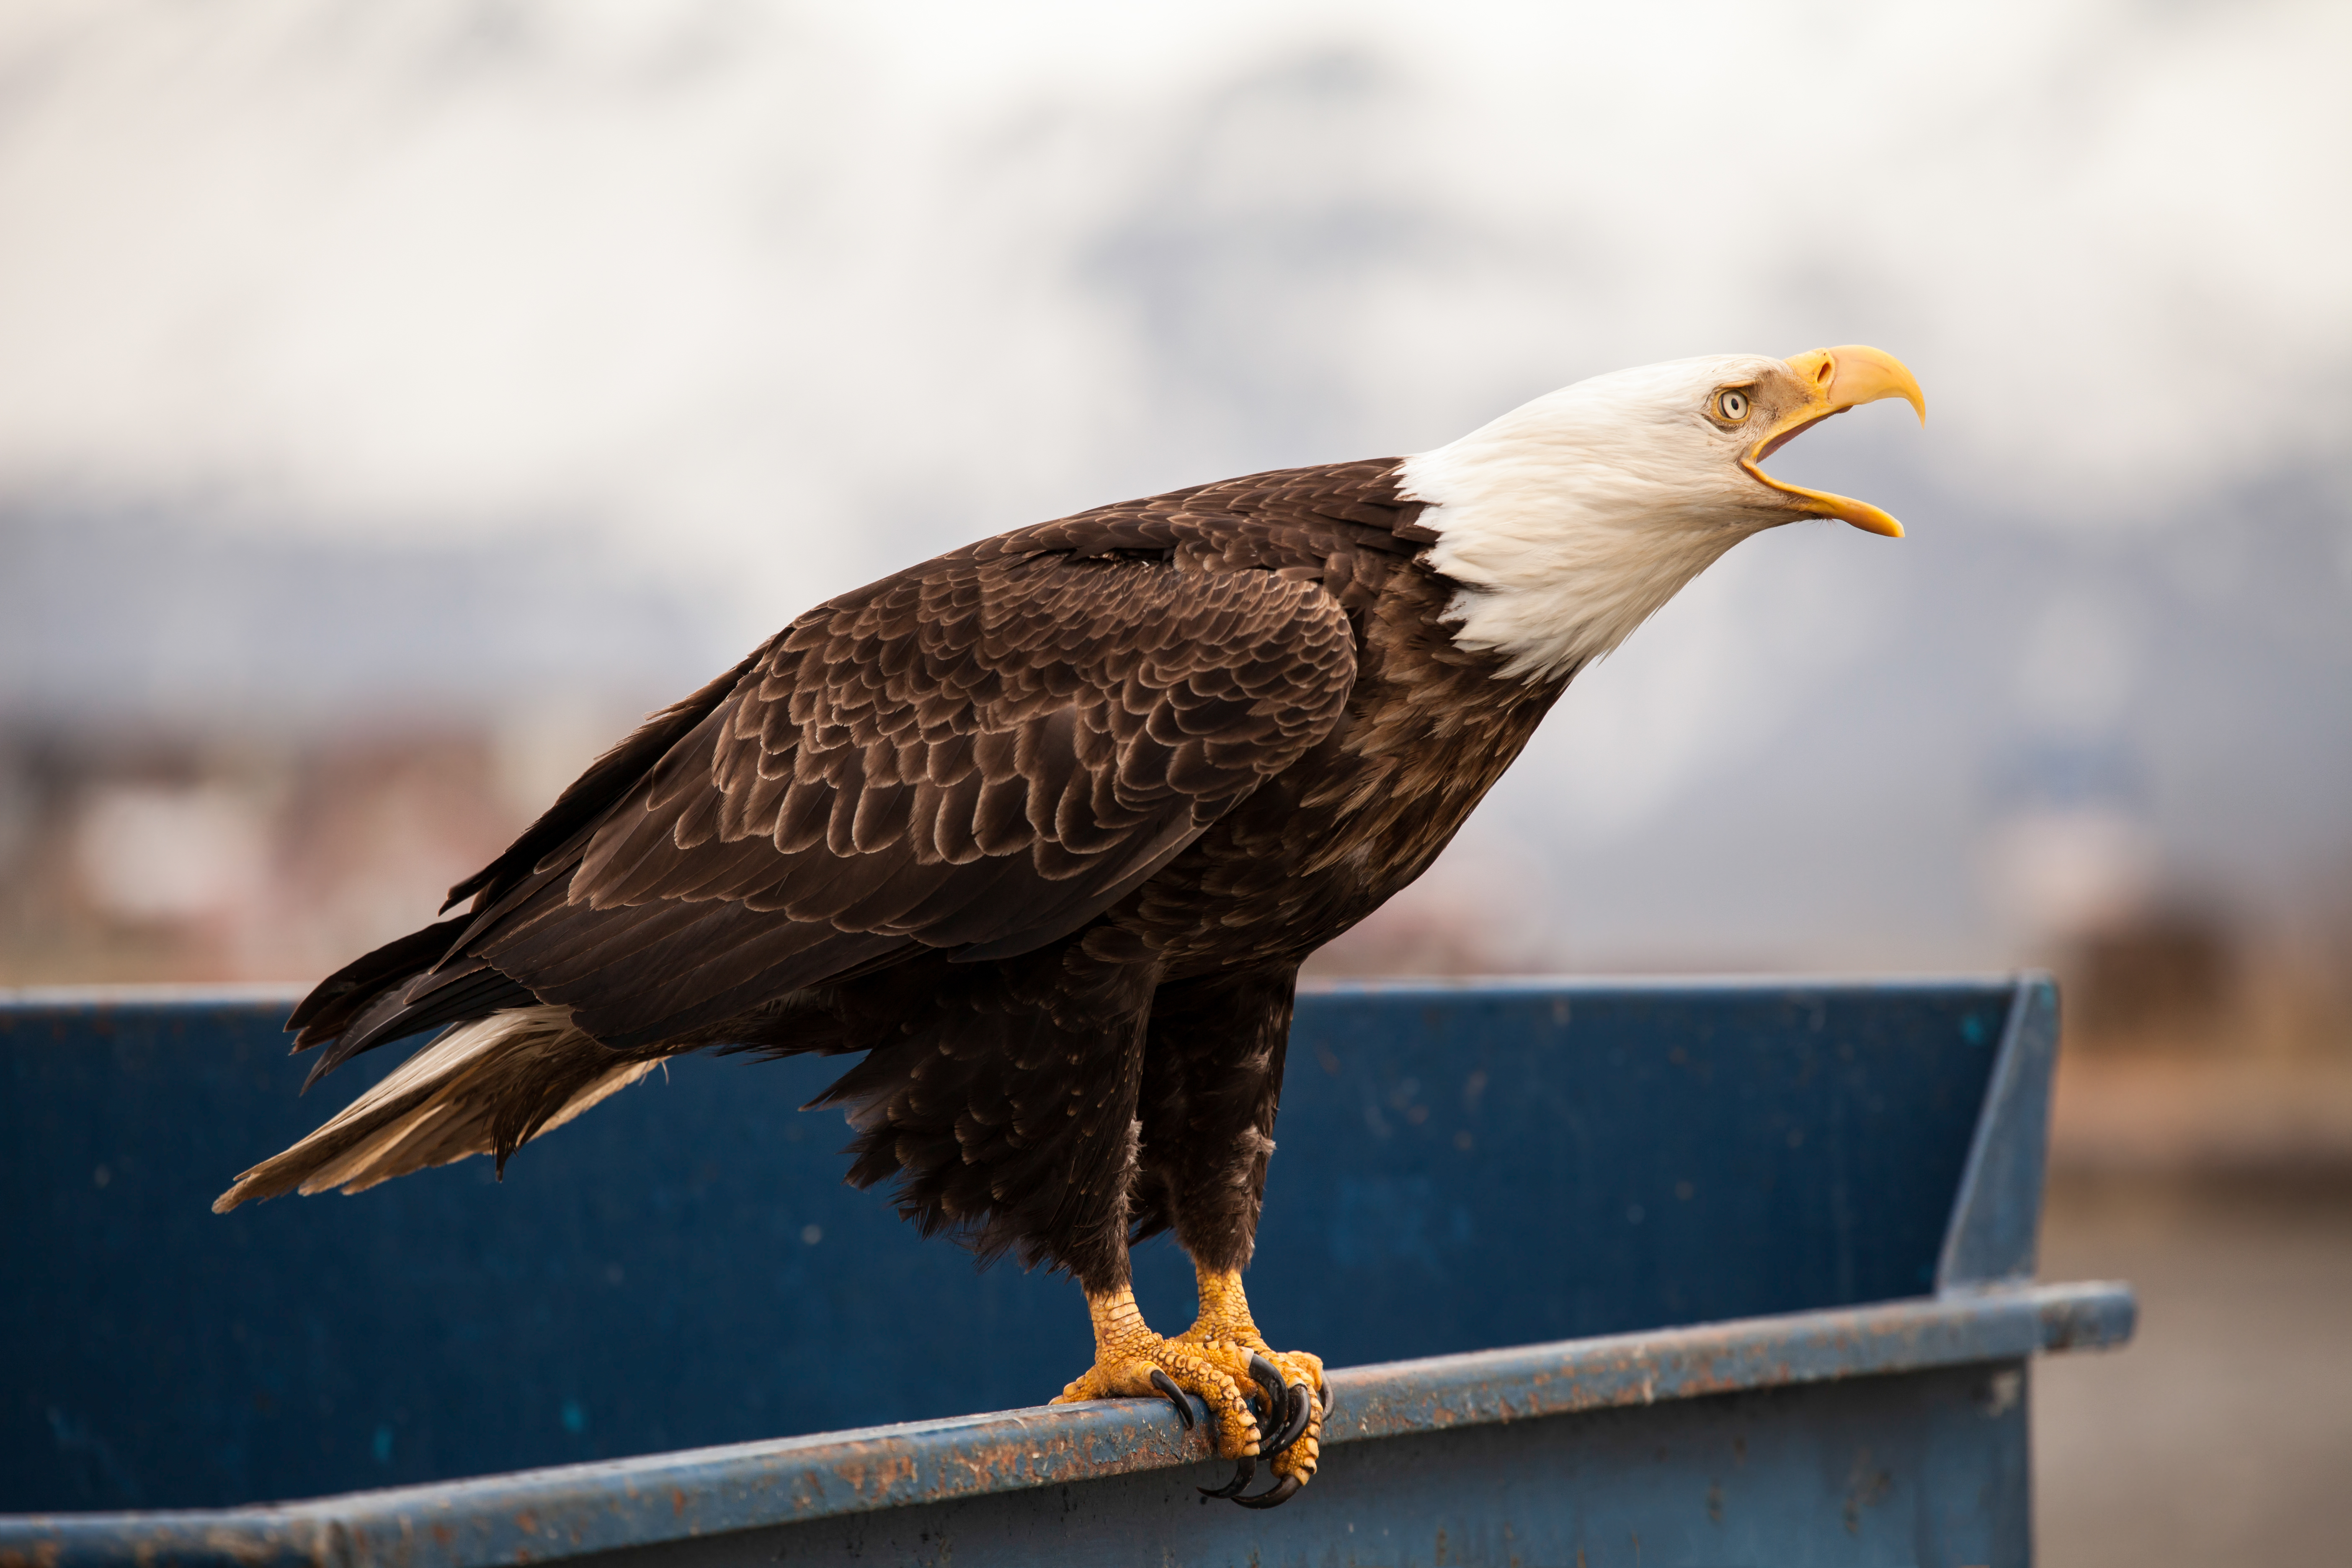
[1013, 1452]
[1866, 1485]
[895, 1470]
[230, 1543]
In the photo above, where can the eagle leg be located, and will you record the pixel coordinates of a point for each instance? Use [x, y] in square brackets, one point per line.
[1293, 1381]
[1131, 1361]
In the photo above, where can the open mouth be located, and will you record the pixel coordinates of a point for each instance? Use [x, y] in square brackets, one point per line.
[1836, 380]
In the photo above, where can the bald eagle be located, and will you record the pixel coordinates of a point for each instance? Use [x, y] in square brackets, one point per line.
[1044, 827]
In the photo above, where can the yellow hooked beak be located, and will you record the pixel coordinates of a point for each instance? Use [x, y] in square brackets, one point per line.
[1836, 380]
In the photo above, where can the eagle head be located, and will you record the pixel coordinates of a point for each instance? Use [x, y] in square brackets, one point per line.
[1568, 521]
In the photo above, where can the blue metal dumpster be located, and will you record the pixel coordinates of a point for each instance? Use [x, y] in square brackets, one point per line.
[1669, 1273]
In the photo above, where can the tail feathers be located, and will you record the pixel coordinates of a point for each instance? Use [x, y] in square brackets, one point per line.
[485, 1088]
[340, 996]
[462, 994]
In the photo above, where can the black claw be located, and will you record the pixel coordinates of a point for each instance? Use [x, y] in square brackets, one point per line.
[1301, 1402]
[1167, 1385]
[1269, 1377]
[1324, 1392]
[1244, 1473]
[1274, 1496]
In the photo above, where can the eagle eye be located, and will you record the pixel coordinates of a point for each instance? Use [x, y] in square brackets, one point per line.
[1731, 407]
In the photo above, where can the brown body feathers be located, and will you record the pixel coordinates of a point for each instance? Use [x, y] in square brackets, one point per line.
[1043, 827]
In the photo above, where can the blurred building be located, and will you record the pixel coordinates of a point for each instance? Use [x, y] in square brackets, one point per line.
[226, 757]
[394, 405]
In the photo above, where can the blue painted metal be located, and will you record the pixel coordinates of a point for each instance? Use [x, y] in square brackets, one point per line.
[1996, 1228]
[677, 1498]
[1926, 1468]
[1643, 1155]
[1460, 1168]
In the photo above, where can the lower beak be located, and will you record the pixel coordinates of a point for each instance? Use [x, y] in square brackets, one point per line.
[1836, 380]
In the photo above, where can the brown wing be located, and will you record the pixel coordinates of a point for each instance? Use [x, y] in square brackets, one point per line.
[979, 754]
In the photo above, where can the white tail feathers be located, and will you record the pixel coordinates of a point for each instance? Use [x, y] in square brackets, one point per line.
[512, 1075]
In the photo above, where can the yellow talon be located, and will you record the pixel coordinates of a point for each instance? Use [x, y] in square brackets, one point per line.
[1212, 1360]
[1225, 1325]
[1127, 1352]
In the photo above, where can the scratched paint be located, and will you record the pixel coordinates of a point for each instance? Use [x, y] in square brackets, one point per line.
[537, 1516]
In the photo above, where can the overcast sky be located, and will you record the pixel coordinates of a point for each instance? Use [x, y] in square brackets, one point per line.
[754, 302]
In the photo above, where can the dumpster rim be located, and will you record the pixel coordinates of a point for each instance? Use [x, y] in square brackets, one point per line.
[647, 1499]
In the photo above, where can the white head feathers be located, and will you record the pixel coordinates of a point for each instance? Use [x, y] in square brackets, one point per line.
[1570, 520]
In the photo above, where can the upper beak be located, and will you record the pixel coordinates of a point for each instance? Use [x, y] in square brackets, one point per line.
[1836, 380]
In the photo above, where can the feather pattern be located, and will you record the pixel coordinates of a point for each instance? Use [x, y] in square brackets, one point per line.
[1042, 827]
[484, 1088]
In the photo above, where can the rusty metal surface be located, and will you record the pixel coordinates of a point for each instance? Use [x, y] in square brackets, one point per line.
[1463, 1167]
[1835, 1148]
[1755, 1353]
[1926, 1469]
[578, 1509]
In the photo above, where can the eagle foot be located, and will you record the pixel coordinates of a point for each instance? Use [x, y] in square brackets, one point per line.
[1298, 1396]
[1292, 1400]
[1263, 1404]
[1280, 1492]
[1288, 1403]
[1131, 1361]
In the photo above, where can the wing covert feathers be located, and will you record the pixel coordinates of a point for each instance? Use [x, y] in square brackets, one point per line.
[980, 754]
[870, 834]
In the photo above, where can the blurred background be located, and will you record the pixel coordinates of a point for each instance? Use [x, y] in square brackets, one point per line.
[395, 401]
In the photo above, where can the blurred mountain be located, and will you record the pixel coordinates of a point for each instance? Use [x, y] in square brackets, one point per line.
[468, 377]
[159, 617]
[228, 755]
